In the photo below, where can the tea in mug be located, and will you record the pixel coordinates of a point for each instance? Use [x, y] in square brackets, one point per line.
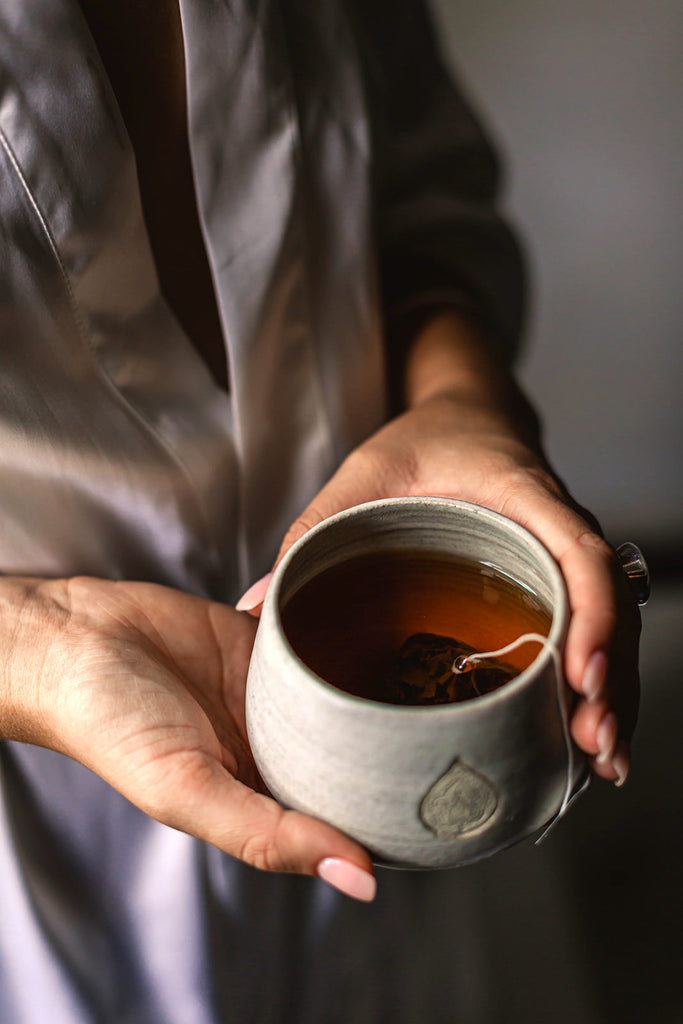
[388, 626]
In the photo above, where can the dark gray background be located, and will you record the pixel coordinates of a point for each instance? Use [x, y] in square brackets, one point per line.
[583, 97]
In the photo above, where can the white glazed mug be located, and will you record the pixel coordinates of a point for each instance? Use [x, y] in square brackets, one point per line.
[425, 787]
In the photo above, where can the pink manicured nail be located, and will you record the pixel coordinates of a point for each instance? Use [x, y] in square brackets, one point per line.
[253, 597]
[348, 878]
[594, 675]
[621, 763]
[607, 738]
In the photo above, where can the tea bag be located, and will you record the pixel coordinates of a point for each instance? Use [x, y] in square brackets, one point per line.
[422, 672]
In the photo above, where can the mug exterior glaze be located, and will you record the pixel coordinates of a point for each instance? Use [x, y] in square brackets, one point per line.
[420, 787]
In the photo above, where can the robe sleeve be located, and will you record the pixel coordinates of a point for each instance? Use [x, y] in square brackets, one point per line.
[441, 239]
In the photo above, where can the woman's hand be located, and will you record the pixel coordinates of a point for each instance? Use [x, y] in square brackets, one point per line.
[468, 433]
[145, 686]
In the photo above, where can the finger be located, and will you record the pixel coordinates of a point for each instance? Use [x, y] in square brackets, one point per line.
[346, 488]
[595, 729]
[255, 829]
[252, 599]
[358, 479]
[602, 643]
[602, 607]
[601, 656]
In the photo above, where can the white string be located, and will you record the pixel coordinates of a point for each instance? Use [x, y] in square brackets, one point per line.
[462, 664]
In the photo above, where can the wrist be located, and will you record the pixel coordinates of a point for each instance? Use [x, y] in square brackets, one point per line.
[452, 358]
[31, 616]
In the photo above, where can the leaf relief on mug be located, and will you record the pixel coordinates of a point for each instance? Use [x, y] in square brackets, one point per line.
[459, 802]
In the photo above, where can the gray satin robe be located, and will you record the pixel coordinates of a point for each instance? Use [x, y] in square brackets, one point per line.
[341, 185]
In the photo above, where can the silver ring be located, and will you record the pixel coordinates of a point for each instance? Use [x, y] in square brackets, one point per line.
[634, 565]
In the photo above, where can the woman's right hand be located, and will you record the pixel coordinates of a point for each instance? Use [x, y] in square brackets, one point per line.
[145, 686]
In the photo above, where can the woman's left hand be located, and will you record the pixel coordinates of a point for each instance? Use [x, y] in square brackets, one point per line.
[469, 434]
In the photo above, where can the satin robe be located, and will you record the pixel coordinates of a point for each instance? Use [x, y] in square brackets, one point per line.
[341, 185]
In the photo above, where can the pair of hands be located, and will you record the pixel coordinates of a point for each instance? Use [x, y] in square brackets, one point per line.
[145, 685]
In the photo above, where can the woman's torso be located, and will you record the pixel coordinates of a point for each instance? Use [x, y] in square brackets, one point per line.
[133, 257]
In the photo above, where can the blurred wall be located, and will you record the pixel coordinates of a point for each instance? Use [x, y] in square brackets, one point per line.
[583, 98]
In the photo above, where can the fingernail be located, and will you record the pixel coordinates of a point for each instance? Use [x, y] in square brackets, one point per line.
[621, 763]
[348, 878]
[607, 738]
[254, 596]
[594, 675]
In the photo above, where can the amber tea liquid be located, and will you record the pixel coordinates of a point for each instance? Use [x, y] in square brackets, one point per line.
[348, 623]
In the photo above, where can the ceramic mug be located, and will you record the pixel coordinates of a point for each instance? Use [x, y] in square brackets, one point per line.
[420, 787]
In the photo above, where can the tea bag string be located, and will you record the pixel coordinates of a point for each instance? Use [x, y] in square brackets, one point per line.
[461, 663]
[464, 661]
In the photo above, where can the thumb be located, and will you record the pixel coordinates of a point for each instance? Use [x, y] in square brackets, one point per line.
[255, 829]
[356, 481]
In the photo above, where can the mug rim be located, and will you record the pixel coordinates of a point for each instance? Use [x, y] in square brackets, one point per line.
[556, 635]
